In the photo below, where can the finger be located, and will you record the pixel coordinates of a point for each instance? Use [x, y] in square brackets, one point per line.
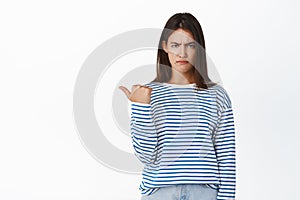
[134, 87]
[125, 90]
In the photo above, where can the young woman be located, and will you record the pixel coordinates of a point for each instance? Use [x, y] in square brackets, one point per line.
[182, 123]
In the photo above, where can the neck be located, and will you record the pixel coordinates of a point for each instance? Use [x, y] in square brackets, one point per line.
[182, 78]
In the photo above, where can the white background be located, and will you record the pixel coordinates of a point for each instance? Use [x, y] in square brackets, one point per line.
[254, 44]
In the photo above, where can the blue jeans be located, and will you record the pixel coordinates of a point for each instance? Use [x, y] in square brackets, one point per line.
[183, 192]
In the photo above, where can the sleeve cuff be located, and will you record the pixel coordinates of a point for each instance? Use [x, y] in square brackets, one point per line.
[141, 112]
[140, 104]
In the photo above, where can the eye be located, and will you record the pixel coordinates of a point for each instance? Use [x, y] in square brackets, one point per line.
[192, 46]
[174, 45]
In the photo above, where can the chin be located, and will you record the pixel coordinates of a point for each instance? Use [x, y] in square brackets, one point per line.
[184, 68]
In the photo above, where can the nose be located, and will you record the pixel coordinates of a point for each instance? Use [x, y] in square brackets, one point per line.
[182, 52]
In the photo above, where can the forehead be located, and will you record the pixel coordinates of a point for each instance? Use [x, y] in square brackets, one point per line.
[181, 35]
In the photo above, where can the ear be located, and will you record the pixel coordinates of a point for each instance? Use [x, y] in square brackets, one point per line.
[164, 46]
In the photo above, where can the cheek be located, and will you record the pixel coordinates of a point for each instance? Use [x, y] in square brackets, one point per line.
[171, 57]
[192, 55]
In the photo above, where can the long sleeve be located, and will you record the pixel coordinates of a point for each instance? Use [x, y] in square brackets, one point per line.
[143, 132]
[225, 152]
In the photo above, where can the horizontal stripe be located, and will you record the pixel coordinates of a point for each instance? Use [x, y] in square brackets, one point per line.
[184, 136]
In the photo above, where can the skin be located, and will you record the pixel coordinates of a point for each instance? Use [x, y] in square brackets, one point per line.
[179, 47]
[139, 93]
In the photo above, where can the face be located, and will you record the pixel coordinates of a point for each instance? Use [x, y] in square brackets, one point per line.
[181, 50]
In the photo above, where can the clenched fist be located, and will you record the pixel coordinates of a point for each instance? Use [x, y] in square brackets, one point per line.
[139, 93]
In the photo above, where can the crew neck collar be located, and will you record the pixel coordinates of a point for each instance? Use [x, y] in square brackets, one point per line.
[180, 85]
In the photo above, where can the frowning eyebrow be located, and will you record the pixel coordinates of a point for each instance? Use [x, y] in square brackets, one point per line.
[185, 43]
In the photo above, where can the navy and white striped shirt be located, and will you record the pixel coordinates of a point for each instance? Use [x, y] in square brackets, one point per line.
[184, 136]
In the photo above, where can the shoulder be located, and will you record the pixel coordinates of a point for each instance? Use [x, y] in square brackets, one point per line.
[223, 97]
[152, 84]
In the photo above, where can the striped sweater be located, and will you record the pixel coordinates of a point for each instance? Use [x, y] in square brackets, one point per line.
[184, 136]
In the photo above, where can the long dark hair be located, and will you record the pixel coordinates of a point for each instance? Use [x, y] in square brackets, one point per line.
[188, 22]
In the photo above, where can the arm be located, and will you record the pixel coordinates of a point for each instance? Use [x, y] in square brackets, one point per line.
[225, 152]
[143, 132]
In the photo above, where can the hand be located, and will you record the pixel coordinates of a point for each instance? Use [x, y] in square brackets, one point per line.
[139, 93]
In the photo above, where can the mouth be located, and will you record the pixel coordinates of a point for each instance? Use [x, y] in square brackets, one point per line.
[182, 62]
